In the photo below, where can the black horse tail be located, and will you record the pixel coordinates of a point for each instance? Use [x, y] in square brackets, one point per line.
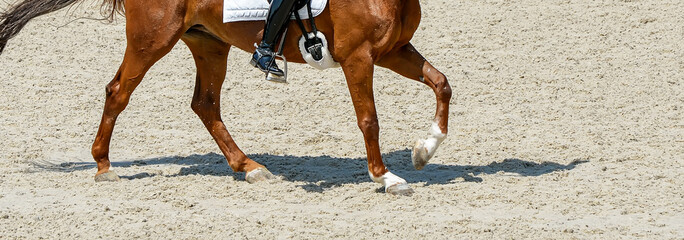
[17, 16]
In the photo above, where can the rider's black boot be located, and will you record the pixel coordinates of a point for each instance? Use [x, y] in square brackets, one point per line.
[264, 56]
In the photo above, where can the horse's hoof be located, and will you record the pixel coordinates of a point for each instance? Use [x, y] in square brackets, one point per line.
[258, 175]
[419, 155]
[401, 189]
[107, 177]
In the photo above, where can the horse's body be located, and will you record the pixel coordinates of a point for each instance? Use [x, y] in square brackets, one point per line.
[361, 34]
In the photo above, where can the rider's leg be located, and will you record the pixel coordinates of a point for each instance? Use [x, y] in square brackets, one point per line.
[278, 15]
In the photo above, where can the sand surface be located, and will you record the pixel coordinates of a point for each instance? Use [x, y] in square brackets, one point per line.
[566, 123]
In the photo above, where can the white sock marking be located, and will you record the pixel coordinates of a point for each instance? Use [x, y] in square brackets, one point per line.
[432, 142]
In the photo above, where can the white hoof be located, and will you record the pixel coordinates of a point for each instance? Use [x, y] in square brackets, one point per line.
[401, 189]
[393, 184]
[107, 177]
[425, 149]
[419, 155]
[258, 175]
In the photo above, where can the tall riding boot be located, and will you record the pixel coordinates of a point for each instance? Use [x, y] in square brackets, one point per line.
[264, 56]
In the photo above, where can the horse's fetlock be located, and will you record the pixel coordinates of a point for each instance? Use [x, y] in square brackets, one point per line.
[243, 164]
[99, 152]
[378, 171]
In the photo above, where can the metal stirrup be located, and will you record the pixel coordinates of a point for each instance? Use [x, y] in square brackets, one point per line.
[273, 77]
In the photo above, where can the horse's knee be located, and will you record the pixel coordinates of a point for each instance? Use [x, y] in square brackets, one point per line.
[203, 105]
[369, 126]
[196, 107]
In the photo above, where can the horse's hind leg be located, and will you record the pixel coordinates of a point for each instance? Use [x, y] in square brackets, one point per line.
[147, 43]
[408, 62]
[210, 56]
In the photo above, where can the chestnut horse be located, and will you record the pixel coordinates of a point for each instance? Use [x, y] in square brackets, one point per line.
[361, 34]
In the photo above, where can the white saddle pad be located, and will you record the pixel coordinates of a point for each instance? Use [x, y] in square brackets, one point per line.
[257, 10]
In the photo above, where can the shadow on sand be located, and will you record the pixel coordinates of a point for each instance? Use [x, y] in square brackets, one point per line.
[321, 172]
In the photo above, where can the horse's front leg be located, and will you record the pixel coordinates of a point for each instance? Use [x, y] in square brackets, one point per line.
[358, 70]
[408, 62]
[211, 56]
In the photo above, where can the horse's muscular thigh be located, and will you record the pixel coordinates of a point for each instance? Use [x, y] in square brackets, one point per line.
[150, 24]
